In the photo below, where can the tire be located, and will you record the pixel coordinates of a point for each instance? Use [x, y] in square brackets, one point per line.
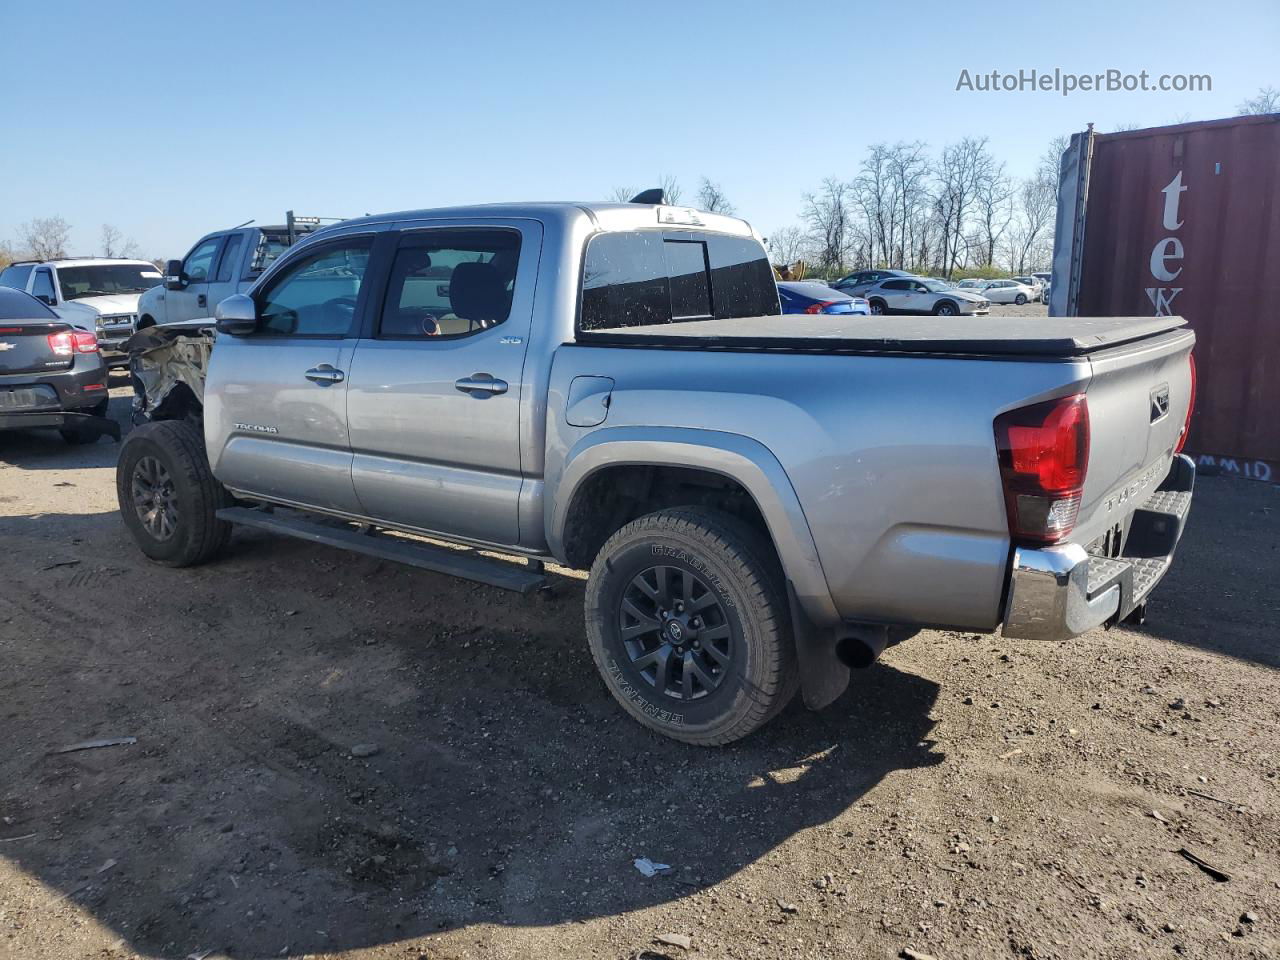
[878, 307]
[946, 308]
[166, 460]
[713, 691]
[1020, 299]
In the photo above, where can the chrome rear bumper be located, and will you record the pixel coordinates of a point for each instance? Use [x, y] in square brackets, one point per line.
[1060, 592]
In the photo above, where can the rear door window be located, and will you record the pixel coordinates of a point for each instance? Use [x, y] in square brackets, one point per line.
[230, 256]
[450, 283]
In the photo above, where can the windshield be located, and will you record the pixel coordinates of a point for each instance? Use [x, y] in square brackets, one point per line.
[106, 278]
[935, 286]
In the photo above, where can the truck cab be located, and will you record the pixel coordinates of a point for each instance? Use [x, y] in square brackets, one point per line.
[218, 265]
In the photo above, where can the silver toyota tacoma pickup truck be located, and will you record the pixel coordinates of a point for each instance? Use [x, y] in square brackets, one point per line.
[763, 501]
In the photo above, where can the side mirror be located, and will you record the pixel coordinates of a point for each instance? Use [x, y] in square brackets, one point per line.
[173, 275]
[237, 316]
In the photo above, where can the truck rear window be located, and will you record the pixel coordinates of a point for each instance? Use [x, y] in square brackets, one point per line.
[649, 277]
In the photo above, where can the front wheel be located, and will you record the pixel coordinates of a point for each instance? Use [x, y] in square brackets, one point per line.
[946, 309]
[688, 623]
[878, 307]
[168, 495]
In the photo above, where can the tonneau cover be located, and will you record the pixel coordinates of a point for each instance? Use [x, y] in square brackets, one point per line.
[841, 333]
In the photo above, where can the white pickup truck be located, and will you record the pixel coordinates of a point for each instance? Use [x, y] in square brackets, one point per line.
[220, 264]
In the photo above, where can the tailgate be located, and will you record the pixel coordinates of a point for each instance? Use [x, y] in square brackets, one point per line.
[26, 348]
[1139, 396]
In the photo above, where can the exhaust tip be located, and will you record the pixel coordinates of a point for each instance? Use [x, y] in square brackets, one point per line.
[860, 650]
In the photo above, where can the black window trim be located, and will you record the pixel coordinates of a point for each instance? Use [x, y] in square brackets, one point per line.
[358, 320]
[404, 240]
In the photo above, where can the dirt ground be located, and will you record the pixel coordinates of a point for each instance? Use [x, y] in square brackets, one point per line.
[970, 796]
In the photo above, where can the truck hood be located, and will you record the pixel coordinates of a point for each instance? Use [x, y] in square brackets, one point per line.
[108, 303]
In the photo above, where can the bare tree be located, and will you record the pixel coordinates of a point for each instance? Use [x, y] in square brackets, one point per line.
[1030, 240]
[786, 245]
[957, 175]
[711, 198]
[670, 188]
[993, 210]
[7, 254]
[827, 213]
[1266, 101]
[623, 194]
[908, 175]
[46, 237]
[116, 244]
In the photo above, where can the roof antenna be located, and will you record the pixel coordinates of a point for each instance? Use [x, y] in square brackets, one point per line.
[245, 224]
[652, 195]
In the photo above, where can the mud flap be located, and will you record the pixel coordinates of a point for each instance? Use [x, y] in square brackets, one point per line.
[822, 676]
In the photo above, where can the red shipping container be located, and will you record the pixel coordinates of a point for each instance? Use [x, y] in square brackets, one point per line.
[1186, 220]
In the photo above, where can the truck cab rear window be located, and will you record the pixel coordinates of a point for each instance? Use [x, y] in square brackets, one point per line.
[651, 277]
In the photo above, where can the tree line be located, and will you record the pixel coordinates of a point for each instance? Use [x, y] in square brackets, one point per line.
[46, 238]
[940, 214]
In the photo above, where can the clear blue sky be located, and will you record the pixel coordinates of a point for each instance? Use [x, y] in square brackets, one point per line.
[172, 120]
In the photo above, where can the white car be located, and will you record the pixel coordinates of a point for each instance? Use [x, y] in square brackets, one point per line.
[98, 295]
[1034, 282]
[1009, 291]
[972, 283]
[922, 295]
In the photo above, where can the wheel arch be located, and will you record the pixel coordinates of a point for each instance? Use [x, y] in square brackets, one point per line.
[603, 459]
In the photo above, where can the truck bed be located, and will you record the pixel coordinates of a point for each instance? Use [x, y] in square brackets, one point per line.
[995, 337]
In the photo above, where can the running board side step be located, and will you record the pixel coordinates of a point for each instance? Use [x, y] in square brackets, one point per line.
[456, 563]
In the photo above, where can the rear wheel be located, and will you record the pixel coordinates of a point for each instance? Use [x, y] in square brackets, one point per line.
[687, 621]
[1020, 299]
[946, 309]
[168, 495]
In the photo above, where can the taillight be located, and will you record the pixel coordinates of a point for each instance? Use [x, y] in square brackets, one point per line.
[65, 344]
[1191, 406]
[819, 306]
[1044, 453]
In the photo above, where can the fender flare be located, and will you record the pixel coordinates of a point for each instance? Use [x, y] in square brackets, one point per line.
[748, 462]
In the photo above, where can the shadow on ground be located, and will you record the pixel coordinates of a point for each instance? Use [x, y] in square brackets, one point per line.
[507, 787]
[1220, 594]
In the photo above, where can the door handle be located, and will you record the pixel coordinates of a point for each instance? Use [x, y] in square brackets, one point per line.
[202, 300]
[325, 375]
[481, 385]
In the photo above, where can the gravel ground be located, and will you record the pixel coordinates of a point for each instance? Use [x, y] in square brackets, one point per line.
[970, 796]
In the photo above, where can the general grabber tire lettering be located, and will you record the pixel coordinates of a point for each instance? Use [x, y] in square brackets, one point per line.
[688, 622]
[168, 495]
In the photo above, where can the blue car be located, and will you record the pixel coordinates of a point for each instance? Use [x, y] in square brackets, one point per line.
[809, 296]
